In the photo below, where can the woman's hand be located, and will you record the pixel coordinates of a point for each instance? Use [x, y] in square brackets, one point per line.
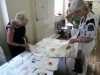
[27, 46]
[73, 41]
[84, 39]
[79, 40]
[24, 45]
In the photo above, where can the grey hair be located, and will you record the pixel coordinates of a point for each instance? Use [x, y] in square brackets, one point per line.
[76, 5]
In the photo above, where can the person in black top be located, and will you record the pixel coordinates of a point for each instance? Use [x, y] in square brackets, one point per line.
[16, 38]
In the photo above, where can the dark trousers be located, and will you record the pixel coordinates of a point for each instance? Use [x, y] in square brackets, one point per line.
[15, 50]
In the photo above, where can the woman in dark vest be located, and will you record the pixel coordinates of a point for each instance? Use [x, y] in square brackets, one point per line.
[16, 38]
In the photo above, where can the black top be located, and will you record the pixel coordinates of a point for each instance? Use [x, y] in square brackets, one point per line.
[19, 35]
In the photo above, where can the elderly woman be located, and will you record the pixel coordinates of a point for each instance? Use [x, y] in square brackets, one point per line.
[87, 31]
[16, 38]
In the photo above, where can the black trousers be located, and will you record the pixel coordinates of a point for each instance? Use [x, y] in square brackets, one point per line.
[15, 50]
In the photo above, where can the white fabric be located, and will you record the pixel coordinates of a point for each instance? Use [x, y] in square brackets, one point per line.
[23, 65]
[46, 45]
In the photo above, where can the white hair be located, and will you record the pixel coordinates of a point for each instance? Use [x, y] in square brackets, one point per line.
[76, 5]
[21, 16]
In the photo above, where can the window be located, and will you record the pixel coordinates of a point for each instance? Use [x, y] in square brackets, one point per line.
[60, 7]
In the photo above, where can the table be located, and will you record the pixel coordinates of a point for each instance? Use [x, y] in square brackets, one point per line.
[43, 59]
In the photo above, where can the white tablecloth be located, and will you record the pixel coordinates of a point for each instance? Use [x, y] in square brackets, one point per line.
[23, 64]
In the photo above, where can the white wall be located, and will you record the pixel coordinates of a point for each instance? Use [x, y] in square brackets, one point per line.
[15, 6]
[96, 7]
[41, 15]
[44, 18]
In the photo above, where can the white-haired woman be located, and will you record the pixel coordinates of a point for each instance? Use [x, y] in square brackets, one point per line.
[16, 34]
[87, 32]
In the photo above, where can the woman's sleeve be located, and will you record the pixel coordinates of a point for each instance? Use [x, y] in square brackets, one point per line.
[9, 27]
[10, 33]
[91, 32]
